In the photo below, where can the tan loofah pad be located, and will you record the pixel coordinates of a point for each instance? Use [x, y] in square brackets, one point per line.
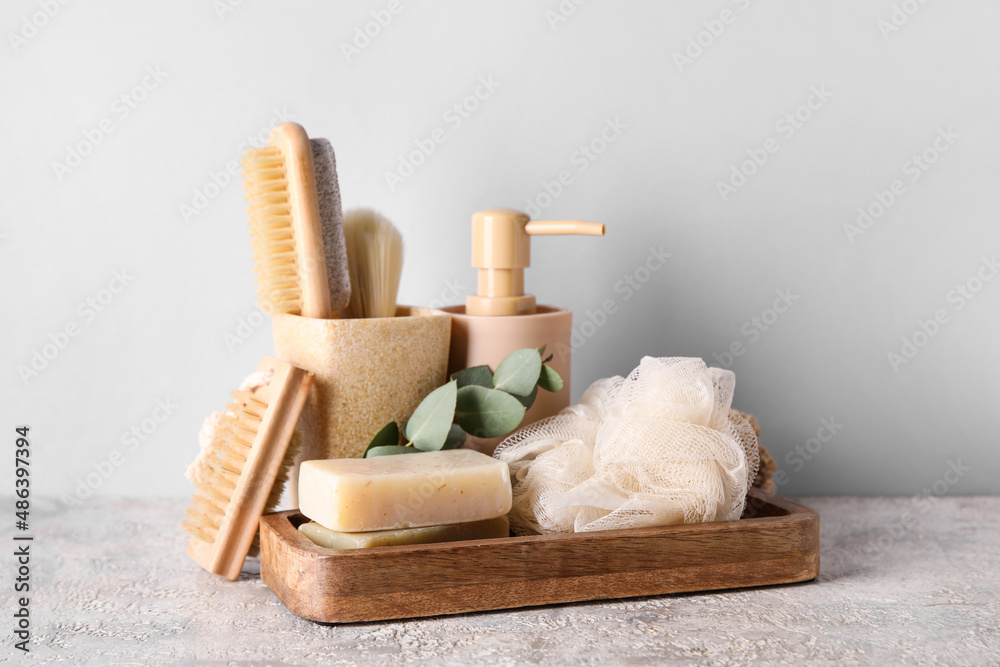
[768, 466]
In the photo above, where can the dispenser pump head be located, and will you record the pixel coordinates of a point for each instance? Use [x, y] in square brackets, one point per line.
[501, 250]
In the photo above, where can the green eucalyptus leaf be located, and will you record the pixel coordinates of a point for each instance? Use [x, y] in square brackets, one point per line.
[456, 438]
[429, 426]
[479, 375]
[529, 400]
[488, 413]
[549, 380]
[388, 436]
[389, 450]
[518, 372]
[541, 350]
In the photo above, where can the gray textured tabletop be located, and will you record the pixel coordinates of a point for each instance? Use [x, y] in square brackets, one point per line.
[903, 581]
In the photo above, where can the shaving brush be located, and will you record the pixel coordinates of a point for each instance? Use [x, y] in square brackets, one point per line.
[375, 262]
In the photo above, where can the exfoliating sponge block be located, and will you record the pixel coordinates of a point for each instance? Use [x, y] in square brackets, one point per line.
[404, 491]
[332, 218]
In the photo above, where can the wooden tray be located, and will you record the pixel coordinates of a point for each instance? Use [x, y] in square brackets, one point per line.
[779, 545]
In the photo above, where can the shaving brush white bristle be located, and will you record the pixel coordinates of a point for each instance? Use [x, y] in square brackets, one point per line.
[375, 262]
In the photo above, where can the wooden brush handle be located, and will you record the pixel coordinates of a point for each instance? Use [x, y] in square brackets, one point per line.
[292, 140]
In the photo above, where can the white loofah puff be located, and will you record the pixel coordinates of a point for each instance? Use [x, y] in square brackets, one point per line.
[659, 447]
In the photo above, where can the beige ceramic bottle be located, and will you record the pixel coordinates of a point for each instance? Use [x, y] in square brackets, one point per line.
[500, 317]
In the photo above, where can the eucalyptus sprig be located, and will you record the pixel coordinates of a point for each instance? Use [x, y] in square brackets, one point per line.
[477, 401]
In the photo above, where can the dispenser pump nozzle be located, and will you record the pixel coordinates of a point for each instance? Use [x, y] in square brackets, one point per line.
[501, 250]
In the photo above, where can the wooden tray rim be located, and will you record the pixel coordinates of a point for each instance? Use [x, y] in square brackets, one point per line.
[281, 523]
[349, 585]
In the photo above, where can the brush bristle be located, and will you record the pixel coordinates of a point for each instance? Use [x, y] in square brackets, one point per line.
[375, 261]
[272, 238]
[231, 445]
[230, 448]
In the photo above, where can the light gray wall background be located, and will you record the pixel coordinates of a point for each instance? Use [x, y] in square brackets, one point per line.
[893, 75]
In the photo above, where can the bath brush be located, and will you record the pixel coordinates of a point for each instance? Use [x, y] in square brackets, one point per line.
[244, 465]
[375, 261]
[296, 226]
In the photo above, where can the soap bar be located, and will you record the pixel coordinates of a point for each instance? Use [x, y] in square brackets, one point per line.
[404, 491]
[476, 530]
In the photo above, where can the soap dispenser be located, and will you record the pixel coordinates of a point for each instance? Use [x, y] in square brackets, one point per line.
[500, 317]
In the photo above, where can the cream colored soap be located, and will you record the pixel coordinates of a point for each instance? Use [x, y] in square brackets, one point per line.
[404, 491]
[476, 530]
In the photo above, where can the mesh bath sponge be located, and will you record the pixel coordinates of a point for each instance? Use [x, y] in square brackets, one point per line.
[656, 448]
